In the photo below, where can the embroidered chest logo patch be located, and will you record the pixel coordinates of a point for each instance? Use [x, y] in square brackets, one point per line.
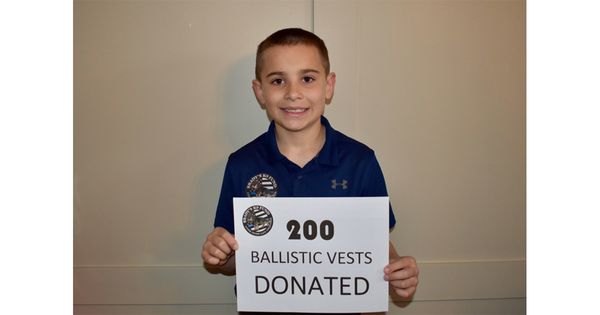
[262, 185]
[335, 184]
[257, 220]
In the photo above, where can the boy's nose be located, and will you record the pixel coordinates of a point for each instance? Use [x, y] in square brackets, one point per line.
[293, 92]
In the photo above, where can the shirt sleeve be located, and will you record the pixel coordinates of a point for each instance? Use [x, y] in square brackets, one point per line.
[224, 214]
[375, 185]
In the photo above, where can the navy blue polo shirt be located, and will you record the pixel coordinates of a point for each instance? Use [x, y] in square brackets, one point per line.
[343, 168]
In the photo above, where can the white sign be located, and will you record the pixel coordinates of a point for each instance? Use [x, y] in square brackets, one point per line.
[312, 254]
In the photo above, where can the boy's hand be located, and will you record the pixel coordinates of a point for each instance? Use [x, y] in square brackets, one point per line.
[219, 246]
[403, 276]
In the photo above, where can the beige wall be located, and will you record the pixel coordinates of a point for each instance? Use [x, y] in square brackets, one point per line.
[162, 96]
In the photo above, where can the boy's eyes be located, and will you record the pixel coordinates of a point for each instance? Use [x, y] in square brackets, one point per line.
[280, 81]
[277, 81]
[308, 79]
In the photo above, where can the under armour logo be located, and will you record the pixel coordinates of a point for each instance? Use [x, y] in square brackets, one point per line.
[335, 184]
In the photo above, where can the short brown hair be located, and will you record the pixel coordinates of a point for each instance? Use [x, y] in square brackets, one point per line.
[291, 36]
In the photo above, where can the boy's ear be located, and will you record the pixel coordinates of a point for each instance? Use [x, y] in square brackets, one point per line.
[329, 89]
[257, 88]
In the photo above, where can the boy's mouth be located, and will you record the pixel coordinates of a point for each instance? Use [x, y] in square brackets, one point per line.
[295, 110]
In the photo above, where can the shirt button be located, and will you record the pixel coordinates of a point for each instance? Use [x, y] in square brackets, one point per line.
[299, 176]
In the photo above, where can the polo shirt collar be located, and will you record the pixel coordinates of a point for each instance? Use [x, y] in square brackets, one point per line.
[328, 154]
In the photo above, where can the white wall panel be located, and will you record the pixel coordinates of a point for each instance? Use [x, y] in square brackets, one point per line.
[437, 89]
[162, 96]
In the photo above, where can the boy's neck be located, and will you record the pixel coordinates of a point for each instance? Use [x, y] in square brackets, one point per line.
[300, 147]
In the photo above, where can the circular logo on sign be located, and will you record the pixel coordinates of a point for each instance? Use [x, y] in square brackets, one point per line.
[262, 185]
[257, 220]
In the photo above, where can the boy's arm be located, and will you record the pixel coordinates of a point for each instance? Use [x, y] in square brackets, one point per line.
[402, 274]
[218, 251]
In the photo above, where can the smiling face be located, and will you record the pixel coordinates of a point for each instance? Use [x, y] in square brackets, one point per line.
[293, 87]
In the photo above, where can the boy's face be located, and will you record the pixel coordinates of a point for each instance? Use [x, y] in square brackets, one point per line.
[293, 87]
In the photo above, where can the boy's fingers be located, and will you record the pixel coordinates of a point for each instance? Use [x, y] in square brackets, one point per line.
[406, 293]
[403, 262]
[405, 284]
[208, 257]
[218, 247]
[402, 274]
[213, 255]
[220, 251]
[230, 241]
[407, 264]
[212, 261]
[225, 244]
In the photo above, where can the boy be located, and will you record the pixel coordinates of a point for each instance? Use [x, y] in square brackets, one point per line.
[300, 155]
